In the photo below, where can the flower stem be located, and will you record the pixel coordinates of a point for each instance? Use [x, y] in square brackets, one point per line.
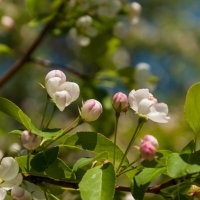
[126, 168]
[51, 117]
[74, 124]
[28, 161]
[138, 128]
[44, 112]
[117, 115]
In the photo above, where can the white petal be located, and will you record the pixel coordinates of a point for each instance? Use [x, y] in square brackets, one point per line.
[135, 96]
[52, 85]
[72, 88]
[9, 168]
[2, 194]
[158, 117]
[55, 73]
[144, 106]
[160, 107]
[7, 185]
[62, 99]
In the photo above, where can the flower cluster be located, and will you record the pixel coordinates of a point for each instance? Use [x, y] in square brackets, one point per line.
[62, 92]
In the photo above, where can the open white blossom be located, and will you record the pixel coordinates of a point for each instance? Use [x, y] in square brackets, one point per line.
[9, 175]
[62, 92]
[144, 104]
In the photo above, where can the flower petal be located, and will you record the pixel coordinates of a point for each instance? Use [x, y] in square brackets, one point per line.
[158, 117]
[135, 96]
[55, 73]
[9, 168]
[7, 185]
[53, 85]
[2, 193]
[72, 88]
[62, 99]
[144, 106]
[160, 107]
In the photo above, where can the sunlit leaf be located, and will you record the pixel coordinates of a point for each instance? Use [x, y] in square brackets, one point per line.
[98, 183]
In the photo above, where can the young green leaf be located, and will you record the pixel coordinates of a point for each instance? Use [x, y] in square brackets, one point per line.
[44, 159]
[98, 183]
[95, 143]
[143, 179]
[192, 107]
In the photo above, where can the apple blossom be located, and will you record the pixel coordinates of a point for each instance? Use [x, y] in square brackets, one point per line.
[145, 105]
[62, 92]
[91, 110]
[9, 175]
[120, 102]
[20, 193]
[148, 147]
[30, 141]
[135, 10]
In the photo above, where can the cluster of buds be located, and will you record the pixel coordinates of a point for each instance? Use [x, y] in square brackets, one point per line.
[63, 93]
[148, 147]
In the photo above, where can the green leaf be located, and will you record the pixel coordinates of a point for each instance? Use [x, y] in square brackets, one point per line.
[181, 165]
[98, 183]
[58, 166]
[82, 162]
[15, 112]
[95, 143]
[192, 107]
[44, 159]
[143, 179]
[11, 109]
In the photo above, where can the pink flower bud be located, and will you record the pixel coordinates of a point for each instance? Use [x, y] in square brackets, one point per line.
[91, 110]
[148, 147]
[30, 141]
[151, 139]
[120, 102]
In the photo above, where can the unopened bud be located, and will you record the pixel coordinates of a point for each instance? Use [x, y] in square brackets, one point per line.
[91, 110]
[120, 102]
[20, 193]
[30, 141]
[148, 147]
[135, 8]
[55, 73]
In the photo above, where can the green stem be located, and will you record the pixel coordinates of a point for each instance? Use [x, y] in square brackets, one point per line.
[129, 165]
[51, 117]
[28, 161]
[117, 115]
[195, 143]
[138, 128]
[74, 124]
[44, 112]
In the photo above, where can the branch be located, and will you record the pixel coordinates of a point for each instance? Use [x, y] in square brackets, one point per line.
[19, 63]
[38, 180]
[48, 63]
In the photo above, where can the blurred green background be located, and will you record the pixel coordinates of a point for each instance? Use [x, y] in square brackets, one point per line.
[166, 38]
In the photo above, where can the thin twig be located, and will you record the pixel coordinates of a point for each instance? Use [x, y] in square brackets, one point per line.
[19, 63]
[48, 63]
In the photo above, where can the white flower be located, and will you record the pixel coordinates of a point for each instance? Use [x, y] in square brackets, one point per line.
[62, 92]
[144, 104]
[9, 176]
